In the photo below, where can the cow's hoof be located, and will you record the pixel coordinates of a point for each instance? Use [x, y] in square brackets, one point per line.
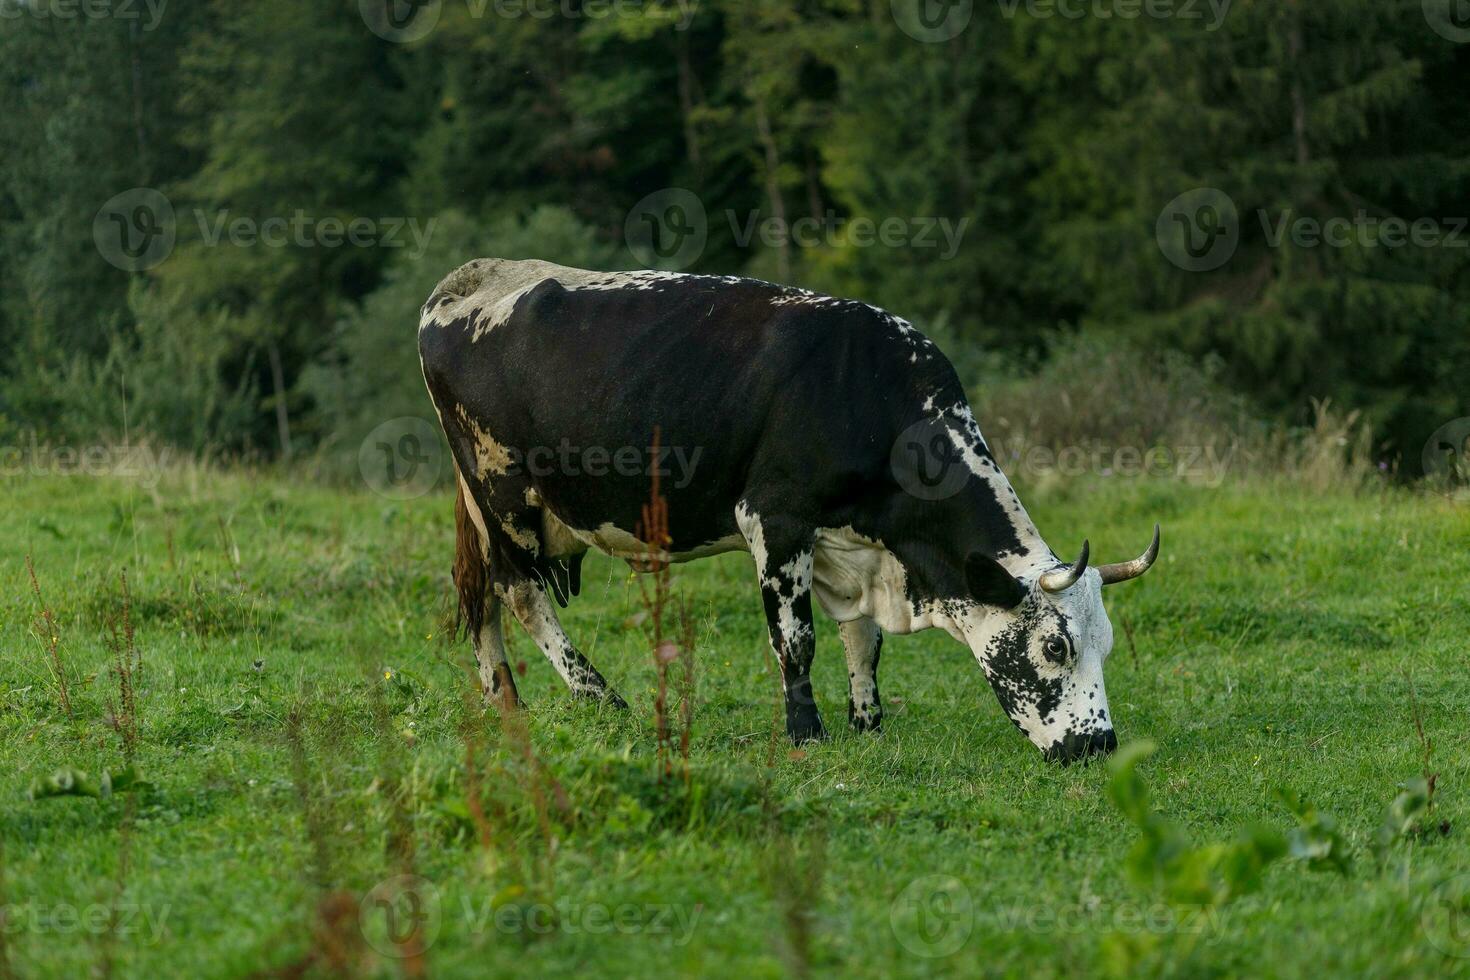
[865, 723]
[605, 696]
[500, 692]
[806, 730]
[503, 704]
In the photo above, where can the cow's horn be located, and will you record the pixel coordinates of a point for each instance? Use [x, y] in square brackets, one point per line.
[1061, 579]
[1124, 570]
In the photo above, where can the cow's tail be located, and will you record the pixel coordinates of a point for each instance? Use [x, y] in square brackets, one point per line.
[470, 570]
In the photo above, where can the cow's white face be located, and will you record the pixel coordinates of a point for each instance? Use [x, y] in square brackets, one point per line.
[1043, 654]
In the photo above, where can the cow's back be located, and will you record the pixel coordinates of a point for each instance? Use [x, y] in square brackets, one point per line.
[758, 383]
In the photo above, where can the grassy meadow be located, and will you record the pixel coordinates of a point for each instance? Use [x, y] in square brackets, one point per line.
[306, 740]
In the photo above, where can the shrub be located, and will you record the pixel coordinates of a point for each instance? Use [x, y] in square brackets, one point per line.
[1100, 406]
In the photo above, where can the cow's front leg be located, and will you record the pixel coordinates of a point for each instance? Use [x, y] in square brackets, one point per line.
[783, 564]
[863, 641]
[531, 606]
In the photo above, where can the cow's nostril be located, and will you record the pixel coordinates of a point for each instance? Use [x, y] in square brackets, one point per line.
[1075, 746]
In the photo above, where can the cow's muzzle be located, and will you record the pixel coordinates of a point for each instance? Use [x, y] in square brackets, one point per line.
[1081, 745]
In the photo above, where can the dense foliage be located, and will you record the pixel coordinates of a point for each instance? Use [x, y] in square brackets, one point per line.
[1005, 172]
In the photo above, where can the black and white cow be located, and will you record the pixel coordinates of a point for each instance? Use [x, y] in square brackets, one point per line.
[794, 416]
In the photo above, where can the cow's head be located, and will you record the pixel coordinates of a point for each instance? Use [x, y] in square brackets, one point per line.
[1042, 641]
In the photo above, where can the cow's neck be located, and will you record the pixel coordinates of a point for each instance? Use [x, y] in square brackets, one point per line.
[986, 513]
[910, 577]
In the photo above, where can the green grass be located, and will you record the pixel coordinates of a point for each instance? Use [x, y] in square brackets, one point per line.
[1273, 645]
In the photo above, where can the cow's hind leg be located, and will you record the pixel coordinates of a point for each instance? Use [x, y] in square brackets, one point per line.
[782, 549]
[496, 678]
[863, 641]
[479, 611]
[530, 604]
[495, 555]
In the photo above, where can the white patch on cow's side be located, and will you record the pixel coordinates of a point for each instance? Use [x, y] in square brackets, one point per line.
[524, 537]
[491, 458]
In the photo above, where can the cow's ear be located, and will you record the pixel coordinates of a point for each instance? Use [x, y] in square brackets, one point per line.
[992, 584]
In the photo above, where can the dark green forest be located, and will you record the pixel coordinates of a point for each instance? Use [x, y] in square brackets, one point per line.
[218, 219]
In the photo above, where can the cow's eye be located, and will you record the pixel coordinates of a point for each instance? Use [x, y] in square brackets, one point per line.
[1055, 649]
